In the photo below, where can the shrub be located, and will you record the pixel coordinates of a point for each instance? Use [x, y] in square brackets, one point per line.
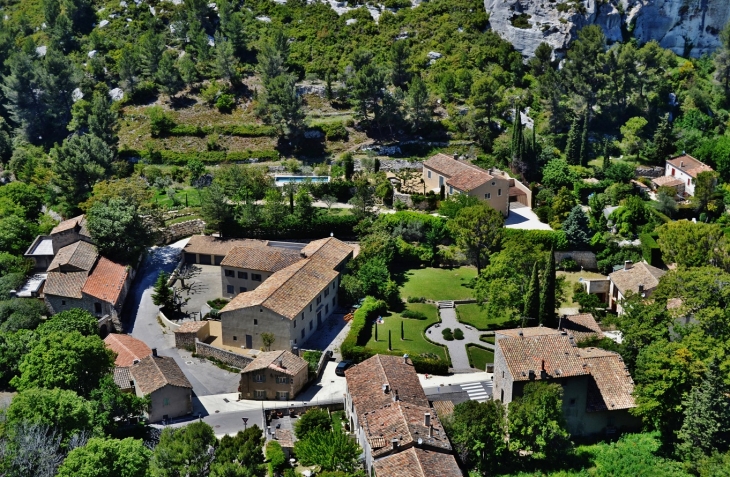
[427, 365]
[312, 358]
[211, 93]
[546, 238]
[360, 329]
[458, 334]
[333, 131]
[568, 264]
[160, 122]
[447, 334]
[650, 250]
[275, 455]
[225, 103]
[186, 130]
[521, 21]
[416, 299]
[415, 315]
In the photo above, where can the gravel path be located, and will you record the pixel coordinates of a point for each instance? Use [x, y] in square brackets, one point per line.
[457, 348]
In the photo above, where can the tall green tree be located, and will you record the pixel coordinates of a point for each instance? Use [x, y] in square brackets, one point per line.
[151, 46]
[722, 60]
[662, 144]
[572, 147]
[187, 450]
[103, 120]
[312, 420]
[705, 197]
[240, 455]
[281, 106]
[547, 297]
[419, 109]
[215, 208]
[477, 430]
[167, 75]
[75, 319]
[120, 232]
[532, 298]
[128, 67]
[226, 63]
[107, 457]
[576, 228]
[162, 294]
[366, 90]
[399, 63]
[330, 450]
[583, 155]
[232, 26]
[583, 70]
[477, 230]
[691, 244]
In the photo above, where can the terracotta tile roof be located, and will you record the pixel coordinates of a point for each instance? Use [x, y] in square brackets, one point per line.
[285, 438]
[106, 281]
[191, 326]
[122, 378]
[329, 251]
[67, 224]
[689, 165]
[208, 245]
[65, 284]
[446, 165]
[443, 408]
[76, 257]
[582, 326]
[416, 462]
[469, 179]
[556, 353]
[155, 372]
[128, 349]
[527, 332]
[365, 383]
[404, 422]
[667, 181]
[611, 387]
[459, 174]
[292, 364]
[639, 274]
[268, 259]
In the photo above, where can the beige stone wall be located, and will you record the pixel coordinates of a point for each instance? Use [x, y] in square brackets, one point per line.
[170, 401]
[239, 283]
[180, 230]
[503, 381]
[433, 182]
[228, 357]
[498, 194]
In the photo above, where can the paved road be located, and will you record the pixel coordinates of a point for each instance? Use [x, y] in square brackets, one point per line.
[469, 391]
[140, 320]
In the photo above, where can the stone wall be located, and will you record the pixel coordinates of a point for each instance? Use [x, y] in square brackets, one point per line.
[405, 198]
[649, 171]
[227, 357]
[180, 230]
[584, 259]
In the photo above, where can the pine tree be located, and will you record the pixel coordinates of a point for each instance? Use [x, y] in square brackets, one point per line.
[572, 147]
[663, 143]
[226, 64]
[532, 298]
[547, 298]
[576, 228]
[167, 75]
[103, 120]
[162, 294]
[583, 157]
[151, 47]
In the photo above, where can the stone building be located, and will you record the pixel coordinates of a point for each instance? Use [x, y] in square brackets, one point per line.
[129, 350]
[390, 414]
[292, 303]
[189, 331]
[207, 250]
[163, 381]
[460, 177]
[597, 387]
[276, 375]
[245, 268]
[638, 278]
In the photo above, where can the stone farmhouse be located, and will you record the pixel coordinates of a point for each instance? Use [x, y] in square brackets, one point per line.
[597, 387]
[298, 294]
[276, 375]
[495, 187]
[394, 422]
[681, 173]
[638, 278]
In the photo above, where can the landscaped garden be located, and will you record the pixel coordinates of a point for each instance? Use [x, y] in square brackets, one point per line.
[572, 278]
[479, 357]
[438, 283]
[473, 314]
[414, 342]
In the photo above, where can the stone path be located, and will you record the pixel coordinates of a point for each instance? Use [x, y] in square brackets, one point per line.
[457, 348]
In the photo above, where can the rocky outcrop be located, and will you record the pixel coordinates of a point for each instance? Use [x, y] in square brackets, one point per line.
[684, 26]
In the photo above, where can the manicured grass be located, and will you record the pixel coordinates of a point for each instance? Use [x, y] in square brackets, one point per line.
[571, 278]
[479, 357]
[193, 198]
[415, 343]
[487, 338]
[472, 314]
[438, 283]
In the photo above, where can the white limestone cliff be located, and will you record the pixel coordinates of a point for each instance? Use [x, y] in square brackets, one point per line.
[681, 25]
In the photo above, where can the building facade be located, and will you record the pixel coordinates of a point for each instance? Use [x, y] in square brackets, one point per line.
[163, 381]
[684, 170]
[278, 375]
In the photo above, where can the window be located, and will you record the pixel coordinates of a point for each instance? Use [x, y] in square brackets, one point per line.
[235, 338]
[259, 394]
[310, 325]
[327, 292]
[451, 189]
[319, 299]
[501, 395]
[229, 273]
[310, 309]
[229, 288]
[295, 323]
[261, 310]
[689, 181]
[63, 302]
[97, 307]
[326, 309]
[243, 275]
[441, 181]
[282, 396]
[488, 195]
[302, 316]
[282, 380]
[303, 331]
[493, 182]
[242, 289]
[673, 171]
[319, 315]
[166, 401]
[255, 321]
[256, 277]
[259, 378]
[502, 373]
[499, 191]
[429, 174]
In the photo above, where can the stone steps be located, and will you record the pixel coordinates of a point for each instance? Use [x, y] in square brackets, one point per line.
[445, 304]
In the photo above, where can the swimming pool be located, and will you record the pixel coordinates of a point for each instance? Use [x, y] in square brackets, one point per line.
[281, 180]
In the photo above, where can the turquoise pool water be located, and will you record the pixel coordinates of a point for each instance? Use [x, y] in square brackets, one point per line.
[281, 180]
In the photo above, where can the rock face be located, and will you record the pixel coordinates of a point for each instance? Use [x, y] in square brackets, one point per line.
[684, 26]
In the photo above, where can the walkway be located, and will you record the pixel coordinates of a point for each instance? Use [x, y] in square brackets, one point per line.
[457, 348]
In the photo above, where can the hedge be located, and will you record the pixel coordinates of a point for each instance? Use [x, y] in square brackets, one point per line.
[242, 130]
[650, 250]
[333, 131]
[546, 238]
[659, 215]
[415, 315]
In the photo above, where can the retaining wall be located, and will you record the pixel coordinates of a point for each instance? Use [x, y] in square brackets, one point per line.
[166, 322]
[227, 357]
[180, 230]
[584, 259]
[405, 198]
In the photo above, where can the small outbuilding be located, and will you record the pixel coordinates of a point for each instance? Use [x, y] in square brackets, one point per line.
[272, 375]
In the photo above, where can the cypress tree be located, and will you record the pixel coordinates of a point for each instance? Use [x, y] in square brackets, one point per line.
[162, 294]
[532, 298]
[390, 347]
[583, 157]
[376, 331]
[572, 147]
[606, 157]
[402, 336]
[547, 299]
[663, 141]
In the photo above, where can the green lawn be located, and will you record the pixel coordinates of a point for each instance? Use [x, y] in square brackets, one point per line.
[487, 338]
[415, 343]
[479, 357]
[571, 278]
[192, 194]
[438, 283]
[472, 314]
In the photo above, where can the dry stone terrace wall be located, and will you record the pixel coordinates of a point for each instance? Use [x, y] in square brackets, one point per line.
[227, 357]
[180, 230]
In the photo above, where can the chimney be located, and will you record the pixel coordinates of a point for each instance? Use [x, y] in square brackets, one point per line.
[430, 431]
[521, 333]
[302, 254]
[681, 164]
[531, 374]
[641, 287]
[395, 395]
[628, 264]
[542, 365]
[405, 359]
[386, 389]
[154, 352]
[427, 420]
[280, 363]
[456, 156]
[394, 443]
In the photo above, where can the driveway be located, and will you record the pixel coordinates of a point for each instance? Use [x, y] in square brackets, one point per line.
[140, 321]
[522, 217]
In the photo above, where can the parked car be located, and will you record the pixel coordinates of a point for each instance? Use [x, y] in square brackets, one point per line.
[342, 366]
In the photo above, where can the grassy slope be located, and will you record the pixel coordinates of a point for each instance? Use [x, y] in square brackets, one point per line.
[472, 314]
